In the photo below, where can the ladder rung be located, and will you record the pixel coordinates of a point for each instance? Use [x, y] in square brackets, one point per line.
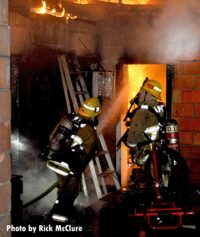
[106, 174]
[77, 72]
[101, 153]
[80, 92]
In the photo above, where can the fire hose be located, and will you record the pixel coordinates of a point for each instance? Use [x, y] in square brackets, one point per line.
[47, 191]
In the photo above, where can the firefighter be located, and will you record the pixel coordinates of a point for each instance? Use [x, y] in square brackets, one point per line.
[73, 143]
[144, 124]
[147, 114]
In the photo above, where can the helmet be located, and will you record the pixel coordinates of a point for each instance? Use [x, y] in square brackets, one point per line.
[153, 87]
[90, 108]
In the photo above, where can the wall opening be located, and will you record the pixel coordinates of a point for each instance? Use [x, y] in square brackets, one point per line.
[133, 76]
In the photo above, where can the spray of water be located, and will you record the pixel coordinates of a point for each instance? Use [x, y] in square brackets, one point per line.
[113, 110]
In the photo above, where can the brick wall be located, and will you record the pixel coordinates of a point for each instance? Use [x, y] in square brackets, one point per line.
[5, 170]
[186, 109]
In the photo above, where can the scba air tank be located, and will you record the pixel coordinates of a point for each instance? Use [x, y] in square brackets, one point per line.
[172, 134]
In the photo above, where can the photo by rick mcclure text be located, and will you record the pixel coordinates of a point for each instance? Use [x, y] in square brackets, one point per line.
[44, 228]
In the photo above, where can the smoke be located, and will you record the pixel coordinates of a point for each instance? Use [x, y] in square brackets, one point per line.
[177, 31]
[35, 176]
[37, 179]
[166, 34]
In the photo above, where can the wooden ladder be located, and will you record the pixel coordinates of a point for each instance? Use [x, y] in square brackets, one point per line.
[76, 93]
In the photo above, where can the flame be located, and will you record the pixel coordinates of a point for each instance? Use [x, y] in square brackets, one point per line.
[81, 1]
[130, 2]
[135, 2]
[45, 9]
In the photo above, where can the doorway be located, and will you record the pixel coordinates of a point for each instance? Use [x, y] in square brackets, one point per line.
[132, 77]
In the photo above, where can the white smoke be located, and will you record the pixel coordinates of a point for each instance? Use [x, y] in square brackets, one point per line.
[160, 34]
[177, 31]
[35, 176]
[37, 179]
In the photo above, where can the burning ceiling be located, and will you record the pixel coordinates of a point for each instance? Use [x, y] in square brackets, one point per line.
[72, 9]
[168, 31]
[50, 9]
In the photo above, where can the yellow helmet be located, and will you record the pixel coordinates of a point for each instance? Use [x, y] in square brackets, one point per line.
[153, 87]
[90, 108]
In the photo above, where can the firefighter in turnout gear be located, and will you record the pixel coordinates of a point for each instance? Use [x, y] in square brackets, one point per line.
[145, 116]
[73, 143]
[144, 124]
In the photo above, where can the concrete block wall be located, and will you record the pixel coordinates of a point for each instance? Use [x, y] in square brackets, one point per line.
[186, 110]
[5, 116]
[28, 32]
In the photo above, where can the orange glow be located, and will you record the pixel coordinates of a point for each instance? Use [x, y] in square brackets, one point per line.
[135, 2]
[130, 2]
[81, 2]
[45, 9]
[134, 75]
[137, 74]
